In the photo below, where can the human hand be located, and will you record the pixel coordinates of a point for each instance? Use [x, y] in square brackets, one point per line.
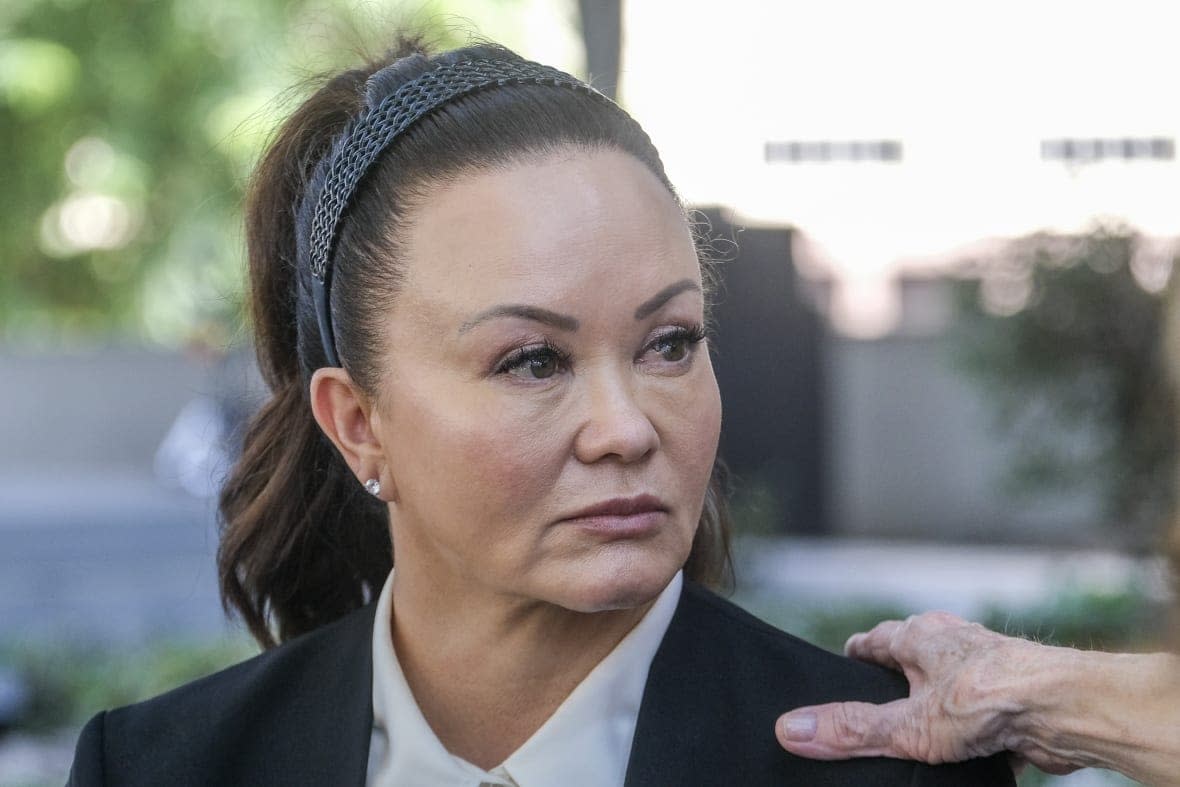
[963, 699]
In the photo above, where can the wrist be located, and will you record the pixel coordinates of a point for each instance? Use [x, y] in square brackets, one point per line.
[1050, 692]
[1027, 693]
[1094, 709]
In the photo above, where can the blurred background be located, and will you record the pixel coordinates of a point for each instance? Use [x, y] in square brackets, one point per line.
[947, 339]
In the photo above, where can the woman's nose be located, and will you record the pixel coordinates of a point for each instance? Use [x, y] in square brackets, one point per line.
[616, 426]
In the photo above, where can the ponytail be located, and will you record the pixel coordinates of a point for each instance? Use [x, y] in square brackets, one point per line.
[301, 543]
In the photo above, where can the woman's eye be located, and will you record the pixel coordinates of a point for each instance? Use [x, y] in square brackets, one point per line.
[538, 363]
[677, 345]
[542, 365]
[672, 348]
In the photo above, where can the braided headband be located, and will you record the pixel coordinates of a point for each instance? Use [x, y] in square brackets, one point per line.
[375, 128]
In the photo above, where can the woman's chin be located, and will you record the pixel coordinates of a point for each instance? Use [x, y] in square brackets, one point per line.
[623, 588]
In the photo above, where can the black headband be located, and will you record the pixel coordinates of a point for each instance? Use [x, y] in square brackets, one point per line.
[373, 130]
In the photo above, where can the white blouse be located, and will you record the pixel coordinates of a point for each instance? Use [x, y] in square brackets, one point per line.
[587, 740]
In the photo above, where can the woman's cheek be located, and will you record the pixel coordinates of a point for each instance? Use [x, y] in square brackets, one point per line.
[510, 460]
[696, 406]
[703, 430]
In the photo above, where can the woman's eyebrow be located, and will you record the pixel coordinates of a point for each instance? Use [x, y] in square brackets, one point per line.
[648, 307]
[566, 323]
[560, 321]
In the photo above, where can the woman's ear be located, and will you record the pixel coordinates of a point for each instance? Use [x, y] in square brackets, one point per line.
[349, 420]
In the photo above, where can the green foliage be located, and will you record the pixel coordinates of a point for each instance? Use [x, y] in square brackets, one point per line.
[831, 628]
[1125, 619]
[130, 127]
[70, 683]
[1066, 337]
[827, 625]
[1122, 620]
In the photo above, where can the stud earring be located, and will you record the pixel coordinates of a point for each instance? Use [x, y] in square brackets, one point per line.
[373, 487]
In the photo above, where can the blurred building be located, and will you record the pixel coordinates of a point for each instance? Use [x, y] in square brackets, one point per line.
[879, 438]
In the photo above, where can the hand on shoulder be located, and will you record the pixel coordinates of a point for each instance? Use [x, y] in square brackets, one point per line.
[965, 696]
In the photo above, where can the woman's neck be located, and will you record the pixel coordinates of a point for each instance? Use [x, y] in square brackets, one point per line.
[488, 671]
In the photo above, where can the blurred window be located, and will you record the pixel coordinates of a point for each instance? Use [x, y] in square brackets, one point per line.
[1083, 150]
[812, 151]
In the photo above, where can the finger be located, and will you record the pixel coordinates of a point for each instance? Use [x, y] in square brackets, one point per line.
[875, 645]
[877, 637]
[930, 624]
[842, 730]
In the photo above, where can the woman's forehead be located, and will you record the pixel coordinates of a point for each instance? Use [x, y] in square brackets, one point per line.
[547, 227]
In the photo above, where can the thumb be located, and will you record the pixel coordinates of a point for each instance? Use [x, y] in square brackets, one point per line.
[841, 730]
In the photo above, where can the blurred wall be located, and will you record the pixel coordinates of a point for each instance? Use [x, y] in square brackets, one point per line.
[105, 410]
[912, 452]
[767, 357]
[97, 409]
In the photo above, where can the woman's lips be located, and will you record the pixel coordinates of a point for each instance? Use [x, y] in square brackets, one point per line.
[621, 517]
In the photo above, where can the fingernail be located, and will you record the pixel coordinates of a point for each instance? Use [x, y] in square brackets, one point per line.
[800, 727]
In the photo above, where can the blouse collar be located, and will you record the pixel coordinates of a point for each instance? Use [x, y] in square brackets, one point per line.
[587, 740]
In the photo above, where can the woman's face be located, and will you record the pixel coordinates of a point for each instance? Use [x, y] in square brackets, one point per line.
[547, 411]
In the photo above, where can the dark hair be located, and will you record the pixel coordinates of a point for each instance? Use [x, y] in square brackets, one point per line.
[301, 542]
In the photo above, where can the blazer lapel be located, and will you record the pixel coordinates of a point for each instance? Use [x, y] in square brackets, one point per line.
[679, 735]
[328, 720]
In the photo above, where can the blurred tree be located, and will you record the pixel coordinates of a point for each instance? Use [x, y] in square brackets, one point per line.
[129, 128]
[1067, 336]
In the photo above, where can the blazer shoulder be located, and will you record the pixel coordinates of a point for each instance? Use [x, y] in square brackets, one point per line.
[276, 712]
[782, 658]
[720, 680]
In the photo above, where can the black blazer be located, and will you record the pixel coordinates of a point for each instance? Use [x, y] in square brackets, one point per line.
[301, 714]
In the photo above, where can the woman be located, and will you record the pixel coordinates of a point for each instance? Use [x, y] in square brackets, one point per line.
[481, 311]
[975, 692]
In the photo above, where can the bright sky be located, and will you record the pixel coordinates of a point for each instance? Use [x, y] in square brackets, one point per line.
[970, 90]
